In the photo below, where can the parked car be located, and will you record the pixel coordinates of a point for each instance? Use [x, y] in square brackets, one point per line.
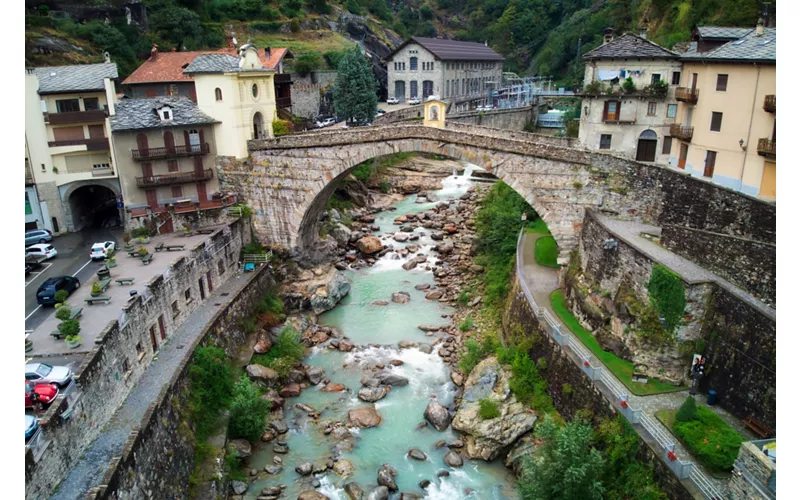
[487, 107]
[32, 263]
[102, 250]
[326, 122]
[42, 393]
[38, 236]
[45, 295]
[379, 112]
[413, 101]
[42, 373]
[392, 100]
[31, 424]
[434, 97]
[45, 250]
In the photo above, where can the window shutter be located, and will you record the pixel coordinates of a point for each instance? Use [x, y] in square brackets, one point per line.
[186, 138]
[202, 139]
[605, 110]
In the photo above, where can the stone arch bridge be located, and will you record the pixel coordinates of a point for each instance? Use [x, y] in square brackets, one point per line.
[288, 180]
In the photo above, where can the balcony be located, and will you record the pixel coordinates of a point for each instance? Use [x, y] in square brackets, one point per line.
[167, 179]
[283, 102]
[28, 174]
[766, 147]
[173, 152]
[686, 94]
[769, 103]
[99, 144]
[75, 117]
[681, 132]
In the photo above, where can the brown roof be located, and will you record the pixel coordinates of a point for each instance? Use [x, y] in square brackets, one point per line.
[169, 66]
[448, 50]
[630, 46]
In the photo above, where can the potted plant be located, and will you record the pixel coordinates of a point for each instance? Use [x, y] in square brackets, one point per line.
[63, 313]
[187, 230]
[127, 239]
[96, 290]
[73, 341]
[28, 345]
[111, 262]
[70, 329]
[143, 239]
[142, 252]
[142, 234]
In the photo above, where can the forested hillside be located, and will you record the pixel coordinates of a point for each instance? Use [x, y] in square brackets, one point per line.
[536, 36]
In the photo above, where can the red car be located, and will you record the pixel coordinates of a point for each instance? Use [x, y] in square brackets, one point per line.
[43, 393]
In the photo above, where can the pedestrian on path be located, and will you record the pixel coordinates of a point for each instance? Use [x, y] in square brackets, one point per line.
[697, 374]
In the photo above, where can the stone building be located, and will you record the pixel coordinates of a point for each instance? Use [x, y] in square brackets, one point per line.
[634, 121]
[68, 153]
[755, 471]
[420, 67]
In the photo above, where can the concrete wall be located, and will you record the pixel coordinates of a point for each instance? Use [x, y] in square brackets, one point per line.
[308, 92]
[506, 119]
[749, 264]
[122, 353]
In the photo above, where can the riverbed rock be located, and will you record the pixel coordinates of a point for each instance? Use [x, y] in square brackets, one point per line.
[437, 415]
[445, 248]
[434, 295]
[378, 493]
[485, 439]
[424, 483]
[334, 388]
[341, 234]
[260, 373]
[241, 447]
[369, 244]
[312, 495]
[238, 487]
[432, 328]
[400, 237]
[426, 348]
[354, 491]
[290, 391]
[457, 378]
[364, 417]
[263, 344]
[410, 495]
[280, 448]
[409, 264]
[392, 379]
[380, 302]
[372, 394]
[275, 400]
[345, 345]
[279, 426]
[422, 286]
[273, 469]
[453, 459]
[315, 374]
[304, 469]
[417, 454]
[344, 468]
[401, 297]
[326, 295]
[437, 236]
[386, 478]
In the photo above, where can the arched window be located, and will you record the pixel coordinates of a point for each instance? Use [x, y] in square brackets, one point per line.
[218, 93]
[255, 91]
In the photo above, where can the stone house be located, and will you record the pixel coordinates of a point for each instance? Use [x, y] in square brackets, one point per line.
[420, 67]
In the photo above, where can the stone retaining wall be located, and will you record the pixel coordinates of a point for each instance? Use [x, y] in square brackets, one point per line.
[513, 119]
[400, 115]
[124, 350]
[749, 264]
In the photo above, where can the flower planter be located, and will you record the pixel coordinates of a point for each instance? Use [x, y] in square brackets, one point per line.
[143, 240]
[72, 344]
[111, 264]
[28, 345]
[96, 294]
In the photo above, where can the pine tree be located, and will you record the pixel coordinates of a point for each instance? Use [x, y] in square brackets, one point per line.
[687, 411]
[354, 93]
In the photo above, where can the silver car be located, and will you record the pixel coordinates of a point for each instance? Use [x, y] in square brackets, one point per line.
[38, 236]
[42, 373]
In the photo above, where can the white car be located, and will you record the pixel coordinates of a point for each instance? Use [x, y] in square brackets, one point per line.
[413, 101]
[102, 250]
[44, 250]
[42, 373]
[434, 97]
[392, 100]
[326, 122]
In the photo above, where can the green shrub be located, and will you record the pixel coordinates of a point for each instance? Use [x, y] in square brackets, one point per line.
[286, 352]
[363, 172]
[61, 296]
[546, 252]
[710, 439]
[333, 58]
[386, 187]
[211, 384]
[527, 385]
[467, 324]
[248, 325]
[294, 26]
[247, 411]
[63, 313]
[475, 353]
[307, 63]
[140, 232]
[566, 389]
[69, 328]
[688, 410]
[463, 298]
[668, 295]
[594, 88]
[281, 127]
[628, 86]
[353, 7]
[267, 27]
[488, 409]
[234, 468]
[271, 303]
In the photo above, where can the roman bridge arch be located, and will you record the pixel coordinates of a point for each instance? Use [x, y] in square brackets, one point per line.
[288, 180]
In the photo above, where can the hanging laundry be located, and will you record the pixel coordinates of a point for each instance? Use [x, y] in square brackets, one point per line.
[605, 75]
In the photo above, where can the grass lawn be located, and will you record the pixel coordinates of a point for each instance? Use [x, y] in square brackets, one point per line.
[621, 368]
[537, 227]
[303, 42]
[546, 252]
[712, 441]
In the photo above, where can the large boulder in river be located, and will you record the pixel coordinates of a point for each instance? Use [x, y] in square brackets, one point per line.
[344, 468]
[437, 415]
[312, 495]
[260, 373]
[378, 493]
[354, 491]
[327, 294]
[369, 244]
[453, 459]
[341, 234]
[364, 417]
[240, 447]
[401, 297]
[486, 439]
[372, 394]
[392, 379]
[315, 374]
[386, 478]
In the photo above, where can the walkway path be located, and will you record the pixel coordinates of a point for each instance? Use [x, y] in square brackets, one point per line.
[542, 281]
[89, 471]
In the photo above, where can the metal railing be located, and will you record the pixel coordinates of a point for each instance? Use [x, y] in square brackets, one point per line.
[599, 373]
[769, 103]
[681, 132]
[258, 258]
[167, 179]
[767, 147]
[170, 152]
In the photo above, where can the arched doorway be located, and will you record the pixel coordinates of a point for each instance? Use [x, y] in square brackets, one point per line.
[93, 206]
[258, 126]
[646, 149]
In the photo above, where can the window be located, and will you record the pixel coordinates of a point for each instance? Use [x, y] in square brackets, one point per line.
[220, 267]
[672, 110]
[722, 83]
[218, 94]
[655, 78]
[177, 192]
[187, 294]
[101, 166]
[611, 111]
[651, 108]
[175, 309]
[676, 77]
[67, 105]
[711, 160]
[166, 114]
[255, 90]
[412, 64]
[91, 103]
[172, 165]
[667, 145]
[716, 121]
[447, 89]
[605, 141]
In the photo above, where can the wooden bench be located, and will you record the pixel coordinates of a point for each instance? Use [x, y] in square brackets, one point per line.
[639, 378]
[205, 231]
[160, 247]
[171, 248]
[125, 281]
[133, 253]
[147, 258]
[99, 298]
[757, 427]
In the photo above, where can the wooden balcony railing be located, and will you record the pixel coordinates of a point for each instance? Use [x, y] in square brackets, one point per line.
[173, 152]
[100, 144]
[283, 102]
[766, 147]
[687, 94]
[283, 78]
[167, 179]
[681, 132]
[769, 103]
[95, 115]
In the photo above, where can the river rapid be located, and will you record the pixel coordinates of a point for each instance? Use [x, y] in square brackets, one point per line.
[377, 330]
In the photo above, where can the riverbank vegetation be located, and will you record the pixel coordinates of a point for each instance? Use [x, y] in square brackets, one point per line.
[285, 353]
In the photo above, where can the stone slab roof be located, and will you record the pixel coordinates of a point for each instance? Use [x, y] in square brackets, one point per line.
[750, 48]
[74, 78]
[212, 63]
[142, 114]
[450, 50]
[722, 32]
[629, 46]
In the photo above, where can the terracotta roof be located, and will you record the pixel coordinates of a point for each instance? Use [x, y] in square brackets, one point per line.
[630, 46]
[169, 66]
[449, 50]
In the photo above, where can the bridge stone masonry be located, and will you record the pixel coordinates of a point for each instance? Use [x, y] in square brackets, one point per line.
[288, 180]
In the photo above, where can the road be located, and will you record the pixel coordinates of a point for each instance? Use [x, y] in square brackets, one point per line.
[72, 260]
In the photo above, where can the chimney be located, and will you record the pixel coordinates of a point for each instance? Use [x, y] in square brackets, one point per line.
[643, 32]
[760, 27]
[267, 53]
[154, 52]
[608, 35]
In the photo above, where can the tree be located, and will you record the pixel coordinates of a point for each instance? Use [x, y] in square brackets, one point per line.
[307, 63]
[180, 27]
[565, 467]
[354, 93]
[688, 410]
[248, 411]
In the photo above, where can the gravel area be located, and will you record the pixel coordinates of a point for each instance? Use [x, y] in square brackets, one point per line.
[89, 470]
